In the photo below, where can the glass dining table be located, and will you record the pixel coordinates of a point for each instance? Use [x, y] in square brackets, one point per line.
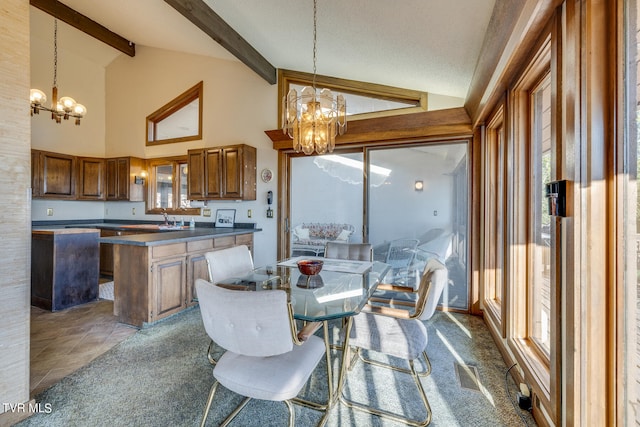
[339, 291]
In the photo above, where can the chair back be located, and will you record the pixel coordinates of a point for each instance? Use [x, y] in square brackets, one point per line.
[350, 251]
[434, 278]
[401, 252]
[231, 262]
[249, 323]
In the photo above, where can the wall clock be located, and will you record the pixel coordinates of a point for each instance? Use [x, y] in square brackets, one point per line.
[266, 174]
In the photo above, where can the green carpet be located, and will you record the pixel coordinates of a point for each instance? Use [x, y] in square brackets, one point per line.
[161, 377]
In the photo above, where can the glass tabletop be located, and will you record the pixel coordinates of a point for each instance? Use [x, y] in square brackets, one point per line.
[341, 288]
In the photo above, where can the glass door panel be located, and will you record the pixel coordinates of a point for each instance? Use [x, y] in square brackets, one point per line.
[418, 210]
[326, 194]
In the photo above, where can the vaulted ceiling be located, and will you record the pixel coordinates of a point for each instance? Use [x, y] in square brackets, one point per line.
[431, 46]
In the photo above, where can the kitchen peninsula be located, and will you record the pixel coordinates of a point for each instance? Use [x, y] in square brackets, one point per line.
[154, 273]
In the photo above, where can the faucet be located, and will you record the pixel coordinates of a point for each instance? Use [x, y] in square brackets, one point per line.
[166, 218]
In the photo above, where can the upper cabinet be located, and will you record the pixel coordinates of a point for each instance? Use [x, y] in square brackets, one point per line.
[91, 178]
[121, 175]
[222, 173]
[53, 175]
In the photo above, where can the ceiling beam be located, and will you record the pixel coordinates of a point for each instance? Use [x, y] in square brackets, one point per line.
[76, 19]
[201, 15]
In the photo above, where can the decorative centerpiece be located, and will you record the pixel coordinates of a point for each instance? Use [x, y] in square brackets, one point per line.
[310, 267]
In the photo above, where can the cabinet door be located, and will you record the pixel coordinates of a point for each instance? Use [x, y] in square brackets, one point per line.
[57, 175]
[170, 287]
[195, 163]
[213, 173]
[90, 179]
[197, 268]
[35, 173]
[232, 170]
[122, 173]
[112, 179]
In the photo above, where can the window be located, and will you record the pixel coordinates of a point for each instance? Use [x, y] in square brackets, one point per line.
[540, 166]
[494, 217]
[364, 100]
[178, 121]
[532, 305]
[168, 187]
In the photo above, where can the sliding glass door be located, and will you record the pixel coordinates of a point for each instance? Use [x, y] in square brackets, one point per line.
[410, 202]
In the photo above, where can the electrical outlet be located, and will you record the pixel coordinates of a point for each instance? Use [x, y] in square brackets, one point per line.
[435, 213]
[49, 211]
[206, 212]
[249, 213]
[133, 211]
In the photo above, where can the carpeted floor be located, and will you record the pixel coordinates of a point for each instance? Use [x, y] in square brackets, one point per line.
[161, 377]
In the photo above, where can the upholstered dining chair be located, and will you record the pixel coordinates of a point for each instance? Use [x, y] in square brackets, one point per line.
[231, 262]
[351, 251]
[401, 333]
[263, 359]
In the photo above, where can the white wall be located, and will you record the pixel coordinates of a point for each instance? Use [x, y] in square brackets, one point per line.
[238, 106]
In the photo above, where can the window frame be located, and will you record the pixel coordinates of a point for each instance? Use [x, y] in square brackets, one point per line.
[530, 359]
[371, 90]
[176, 104]
[175, 162]
[495, 176]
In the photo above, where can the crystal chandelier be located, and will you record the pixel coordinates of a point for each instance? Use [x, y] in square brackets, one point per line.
[313, 119]
[64, 107]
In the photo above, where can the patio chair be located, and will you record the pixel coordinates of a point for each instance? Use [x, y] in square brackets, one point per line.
[401, 333]
[232, 262]
[258, 332]
[399, 256]
[351, 251]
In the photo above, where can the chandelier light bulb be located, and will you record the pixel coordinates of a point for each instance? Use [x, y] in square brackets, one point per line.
[67, 103]
[36, 96]
[80, 110]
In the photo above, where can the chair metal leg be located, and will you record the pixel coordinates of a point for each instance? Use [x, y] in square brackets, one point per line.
[424, 373]
[291, 413]
[235, 412]
[389, 415]
[210, 350]
[209, 401]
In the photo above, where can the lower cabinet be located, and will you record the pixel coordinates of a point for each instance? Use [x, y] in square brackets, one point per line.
[153, 282]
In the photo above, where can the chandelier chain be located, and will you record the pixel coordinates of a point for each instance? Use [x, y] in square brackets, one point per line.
[315, 9]
[55, 53]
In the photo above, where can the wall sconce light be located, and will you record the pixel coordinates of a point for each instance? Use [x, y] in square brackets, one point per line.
[138, 180]
[419, 185]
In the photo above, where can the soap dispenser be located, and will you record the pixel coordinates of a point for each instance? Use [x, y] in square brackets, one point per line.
[192, 223]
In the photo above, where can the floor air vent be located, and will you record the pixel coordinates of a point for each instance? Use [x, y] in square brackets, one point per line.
[468, 376]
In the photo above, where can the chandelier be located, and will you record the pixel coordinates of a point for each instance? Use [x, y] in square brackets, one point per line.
[64, 107]
[313, 119]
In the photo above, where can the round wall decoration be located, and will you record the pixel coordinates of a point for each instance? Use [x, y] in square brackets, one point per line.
[266, 174]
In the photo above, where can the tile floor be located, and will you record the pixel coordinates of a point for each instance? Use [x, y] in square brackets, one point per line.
[64, 341]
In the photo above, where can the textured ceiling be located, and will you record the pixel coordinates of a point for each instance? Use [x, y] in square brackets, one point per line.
[428, 45]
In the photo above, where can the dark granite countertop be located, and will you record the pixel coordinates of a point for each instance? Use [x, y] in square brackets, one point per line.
[149, 235]
[168, 237]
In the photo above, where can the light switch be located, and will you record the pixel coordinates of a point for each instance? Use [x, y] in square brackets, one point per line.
[249, 213]
[49, 211]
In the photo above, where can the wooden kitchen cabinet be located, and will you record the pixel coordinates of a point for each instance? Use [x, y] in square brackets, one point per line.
[222, 173]
[53, 175]
[153, 282]
[91, 178]
[120, 179]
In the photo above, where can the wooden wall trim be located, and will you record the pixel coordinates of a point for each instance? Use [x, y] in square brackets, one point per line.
[504, 52]
[453, 121]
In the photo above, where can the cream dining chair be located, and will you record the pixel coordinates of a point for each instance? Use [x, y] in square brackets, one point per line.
[401, 333]
[223, 264]
[263, 359]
